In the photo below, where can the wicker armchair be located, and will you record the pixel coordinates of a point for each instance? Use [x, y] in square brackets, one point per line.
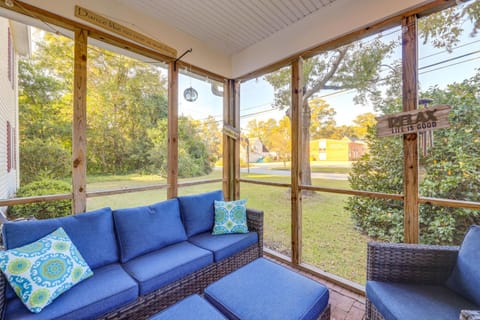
[407, 263]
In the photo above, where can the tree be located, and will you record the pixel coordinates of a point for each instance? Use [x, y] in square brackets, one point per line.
[362, 123]
[280, 140]
[449, 168]
[353, 66]
[322, 123]
[193, 155]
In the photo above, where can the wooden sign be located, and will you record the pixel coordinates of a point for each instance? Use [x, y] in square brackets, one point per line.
[420, 120]
[126, 32]
[231, 131]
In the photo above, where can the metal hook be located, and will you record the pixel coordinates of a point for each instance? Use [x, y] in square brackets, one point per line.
[178, 59]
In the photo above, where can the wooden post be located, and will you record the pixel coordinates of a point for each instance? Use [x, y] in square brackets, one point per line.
[79, 131]
[231, 145]
[236, 121]
[410, 150]
[296, 174]
[172, 162]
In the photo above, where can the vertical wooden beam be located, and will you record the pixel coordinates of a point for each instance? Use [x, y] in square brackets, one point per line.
[410, 150]
[79, 131]
[296, 174]
[231, 146]
[172, 162]
[236, 111]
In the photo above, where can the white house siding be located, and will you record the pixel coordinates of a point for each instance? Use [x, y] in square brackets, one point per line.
[8, 112]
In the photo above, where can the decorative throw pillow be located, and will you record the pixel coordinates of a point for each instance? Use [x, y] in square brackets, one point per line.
[230, 217]
[41, 271]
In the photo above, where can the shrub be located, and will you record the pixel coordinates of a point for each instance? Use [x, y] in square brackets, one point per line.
[42, 210]
[43, 158]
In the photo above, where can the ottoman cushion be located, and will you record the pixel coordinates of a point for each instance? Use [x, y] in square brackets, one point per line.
[265, 290]
[192, 307]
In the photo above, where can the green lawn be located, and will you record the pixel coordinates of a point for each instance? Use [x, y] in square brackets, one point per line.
[330, 240]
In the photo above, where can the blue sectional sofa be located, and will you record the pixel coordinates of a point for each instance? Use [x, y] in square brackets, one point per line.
[143, 259]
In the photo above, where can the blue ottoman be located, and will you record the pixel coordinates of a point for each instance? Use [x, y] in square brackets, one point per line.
[265, 290]
[192, 307]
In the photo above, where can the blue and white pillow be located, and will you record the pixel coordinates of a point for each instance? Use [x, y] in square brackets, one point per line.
[41, 271]
[230, 217]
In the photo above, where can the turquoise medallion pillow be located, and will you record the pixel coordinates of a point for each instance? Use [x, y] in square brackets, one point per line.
[41, 271]
[230, 217]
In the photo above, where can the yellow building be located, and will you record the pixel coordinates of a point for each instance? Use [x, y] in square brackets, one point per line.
[336, 150]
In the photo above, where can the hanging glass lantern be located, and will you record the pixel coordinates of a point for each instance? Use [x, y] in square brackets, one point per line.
[190, 94]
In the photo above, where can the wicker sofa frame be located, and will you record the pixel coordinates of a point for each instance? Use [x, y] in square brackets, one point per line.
[195, 282]
[421, 264]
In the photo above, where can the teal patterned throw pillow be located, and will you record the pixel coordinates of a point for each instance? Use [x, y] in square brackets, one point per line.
[230, 217]
[41, 271]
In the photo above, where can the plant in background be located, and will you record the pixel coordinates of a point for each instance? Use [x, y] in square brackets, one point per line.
[42, 210]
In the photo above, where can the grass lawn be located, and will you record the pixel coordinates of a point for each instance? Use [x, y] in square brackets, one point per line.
[330, 240]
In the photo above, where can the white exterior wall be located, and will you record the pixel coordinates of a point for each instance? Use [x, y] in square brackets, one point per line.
[8, 112]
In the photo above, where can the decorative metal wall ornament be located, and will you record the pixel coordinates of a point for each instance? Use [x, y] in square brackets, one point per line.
[190, 94]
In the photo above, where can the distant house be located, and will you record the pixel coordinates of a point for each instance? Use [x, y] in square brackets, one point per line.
[253, 150]
[14, 42]
[345, 149]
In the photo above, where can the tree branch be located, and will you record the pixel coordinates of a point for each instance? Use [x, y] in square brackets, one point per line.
[322, 83]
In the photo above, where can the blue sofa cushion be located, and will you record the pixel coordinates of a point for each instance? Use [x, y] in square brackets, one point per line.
[224, 246]
[198, 211]
[142, 230]
[414, 301]
[109, 288]
[192, 307]
[265, 290]
[159, 268]
[465, 277]
[92, 233]
[43, 270]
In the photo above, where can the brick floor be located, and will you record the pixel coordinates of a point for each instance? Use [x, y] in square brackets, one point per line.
[345, 305]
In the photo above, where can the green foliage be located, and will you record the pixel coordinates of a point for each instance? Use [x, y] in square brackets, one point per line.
[450, 171]
[42, 210]
[193, 156]
[45, 158]
[126, 105]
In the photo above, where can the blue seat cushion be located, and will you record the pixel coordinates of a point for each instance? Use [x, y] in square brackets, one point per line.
[414, 301]
[265, 290]
[108, 289]
[159, 268]
[198, 211]
[192, 307]
[145, 229]
[465, 277]
[224, 246]
[92, 233]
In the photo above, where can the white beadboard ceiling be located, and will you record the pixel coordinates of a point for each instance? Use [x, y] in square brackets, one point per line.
[228, 25]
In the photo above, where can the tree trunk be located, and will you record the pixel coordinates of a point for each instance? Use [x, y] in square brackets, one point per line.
[305, 164]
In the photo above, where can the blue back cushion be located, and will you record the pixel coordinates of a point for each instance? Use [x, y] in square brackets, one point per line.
[465, 277]
[198, 211]
[145, 229]
[92, 233]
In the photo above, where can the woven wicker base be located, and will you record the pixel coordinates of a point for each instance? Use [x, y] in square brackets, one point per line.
[371, 312]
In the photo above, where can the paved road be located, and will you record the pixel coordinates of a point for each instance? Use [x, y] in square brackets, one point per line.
[318, 175]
